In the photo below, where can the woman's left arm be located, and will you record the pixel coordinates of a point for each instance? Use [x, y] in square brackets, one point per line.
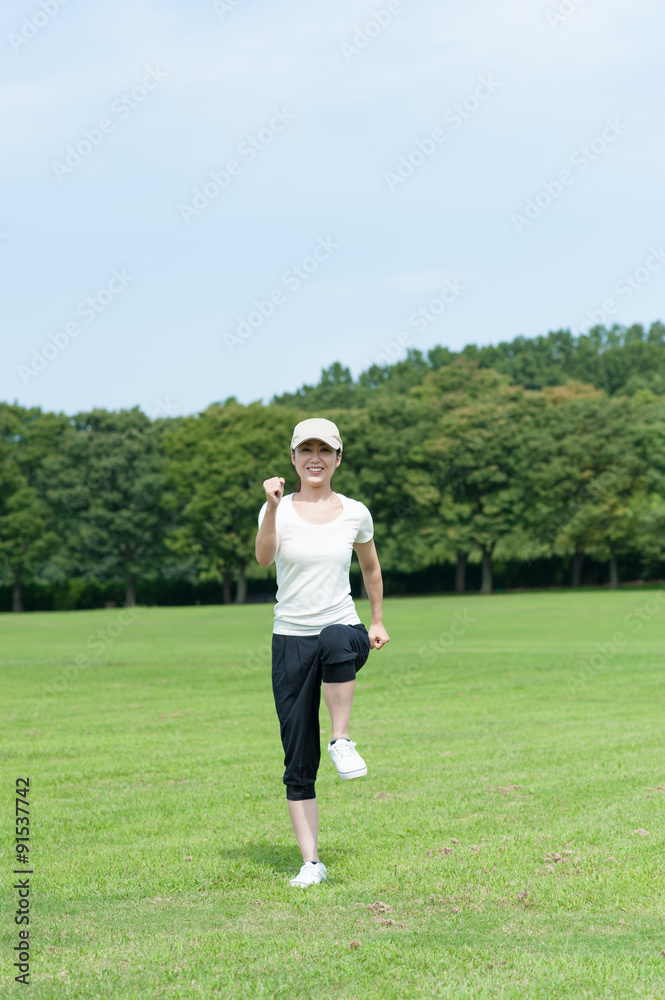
[371, 571]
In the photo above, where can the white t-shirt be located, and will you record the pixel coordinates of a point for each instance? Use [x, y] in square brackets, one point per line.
[312, 562]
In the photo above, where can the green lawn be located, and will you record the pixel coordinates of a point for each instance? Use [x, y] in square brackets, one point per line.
[490, 852]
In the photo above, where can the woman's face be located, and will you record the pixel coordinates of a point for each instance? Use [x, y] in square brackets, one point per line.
[315, 462]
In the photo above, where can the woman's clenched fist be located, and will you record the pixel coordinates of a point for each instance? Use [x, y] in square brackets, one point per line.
[274, 491]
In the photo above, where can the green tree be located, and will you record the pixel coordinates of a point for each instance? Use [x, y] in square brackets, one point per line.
[107, 489]
[620, 361]
[474, 455]
[24, 539]
[380, 461]
[392, 379]
[218, 461]
[336, 388]
[588, 482]
[651, 527]
[27, 436]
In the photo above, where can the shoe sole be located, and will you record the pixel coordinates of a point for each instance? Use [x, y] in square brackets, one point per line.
[305, 885]
[354, 774]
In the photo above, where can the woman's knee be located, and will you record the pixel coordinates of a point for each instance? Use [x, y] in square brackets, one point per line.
[333, 639]
[342, 651]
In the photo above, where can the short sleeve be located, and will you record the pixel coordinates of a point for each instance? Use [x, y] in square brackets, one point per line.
[262, 513]
[365, 525]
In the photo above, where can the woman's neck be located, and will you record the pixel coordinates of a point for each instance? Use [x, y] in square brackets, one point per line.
[316, 494]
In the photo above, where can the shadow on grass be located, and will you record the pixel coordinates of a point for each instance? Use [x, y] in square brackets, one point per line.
[277, 858]
[264, 854]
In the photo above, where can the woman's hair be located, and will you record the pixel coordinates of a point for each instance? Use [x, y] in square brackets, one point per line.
[297, 484]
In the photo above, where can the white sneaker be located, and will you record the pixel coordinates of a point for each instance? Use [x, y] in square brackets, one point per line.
[346, 759]
[310, 873]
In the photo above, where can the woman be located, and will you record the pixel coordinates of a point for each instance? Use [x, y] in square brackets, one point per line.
[318, 639]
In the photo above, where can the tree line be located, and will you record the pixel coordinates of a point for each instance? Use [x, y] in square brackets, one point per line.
[545, 449]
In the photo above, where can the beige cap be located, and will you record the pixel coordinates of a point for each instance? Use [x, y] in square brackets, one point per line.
[319, 429]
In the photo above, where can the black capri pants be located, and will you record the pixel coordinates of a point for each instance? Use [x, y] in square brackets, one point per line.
[299, 664]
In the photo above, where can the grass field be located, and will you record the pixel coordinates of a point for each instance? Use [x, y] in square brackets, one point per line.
[515, 752]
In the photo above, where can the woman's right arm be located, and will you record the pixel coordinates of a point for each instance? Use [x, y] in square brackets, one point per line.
[267, 539]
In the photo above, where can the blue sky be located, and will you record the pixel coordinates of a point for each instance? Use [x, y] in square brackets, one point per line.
[388, 175]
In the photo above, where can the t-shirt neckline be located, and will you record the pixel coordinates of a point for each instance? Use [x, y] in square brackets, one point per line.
[324, 524]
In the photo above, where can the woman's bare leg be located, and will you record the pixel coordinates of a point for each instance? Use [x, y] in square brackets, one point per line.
[338, 699]
[305, 819]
